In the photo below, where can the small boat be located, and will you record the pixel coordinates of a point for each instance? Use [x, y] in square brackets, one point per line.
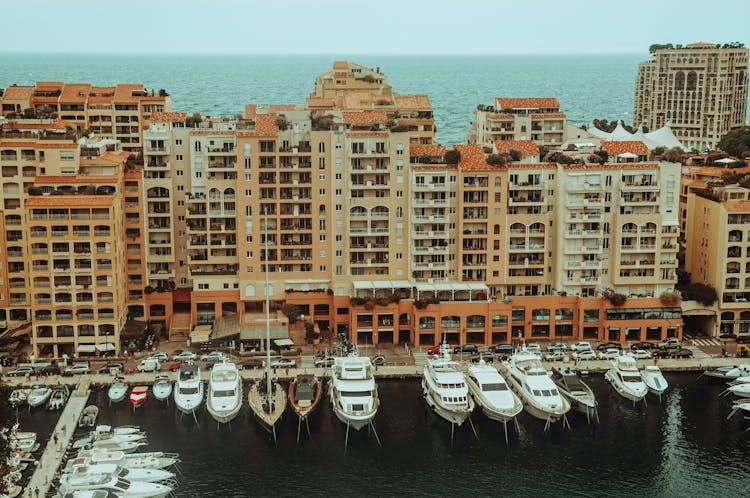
[162, 387]
[740, 406]
[118, 390]
[155, 460]
[58, 397]
[728, 373]
[444, 388]
[188, 391]
[119, 430]
[353, 392]
[38, 395]
[741, 390]
[580, 395]
[111, 469]
[304, 394]
[491, 392]
[654, 380]
[124, 446]
[98, 440]
[626, 379]
[118, 487]
[24, 442]
[18, 396]
[224, 392]
[138, 396]
[88, 416]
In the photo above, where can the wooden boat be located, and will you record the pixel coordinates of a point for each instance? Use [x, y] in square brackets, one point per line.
[305, 392]
[258, 399]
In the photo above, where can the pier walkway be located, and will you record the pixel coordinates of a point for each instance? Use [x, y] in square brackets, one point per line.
[53, 453]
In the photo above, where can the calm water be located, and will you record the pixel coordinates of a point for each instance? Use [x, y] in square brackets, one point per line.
[587, 86]
[684, 447]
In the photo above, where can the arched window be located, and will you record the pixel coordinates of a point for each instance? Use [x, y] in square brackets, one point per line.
[692, 80]
[679, 81]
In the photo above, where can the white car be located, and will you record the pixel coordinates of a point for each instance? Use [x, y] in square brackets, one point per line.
[585, 354]
[639, 354]
[283, 363]
[148, 365]
[581, 346]
[213, 356]
[159, 356]
[75, 369]
[554, 356]
[534, 348]
[185, 356]
[609, 354]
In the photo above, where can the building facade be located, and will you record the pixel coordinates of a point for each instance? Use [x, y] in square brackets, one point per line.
[537, 119]
[700, 90]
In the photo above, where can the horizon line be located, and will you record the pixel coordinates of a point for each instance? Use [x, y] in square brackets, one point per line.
[276, 54]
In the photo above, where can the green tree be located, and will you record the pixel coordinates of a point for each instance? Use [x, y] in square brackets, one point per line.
[291, 311]
[674, 155]
[496, 160]
[515, 154]
[7, 420]
[452, 157]
[736, 142]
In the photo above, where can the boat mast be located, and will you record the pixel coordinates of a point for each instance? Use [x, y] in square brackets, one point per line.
[268, 321]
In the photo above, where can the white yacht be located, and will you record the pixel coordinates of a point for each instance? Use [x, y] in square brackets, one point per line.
[654, 380]
[110, 469]
[353, 391]
[38, 395]
[491, 392]
[729, 373]
[444, 387]
[626, 379]
[188, 391]
[224, 392]
[741, 389]
[118, 390]
[533, 384]
[119, 487]
[120, 459]
[162, 387]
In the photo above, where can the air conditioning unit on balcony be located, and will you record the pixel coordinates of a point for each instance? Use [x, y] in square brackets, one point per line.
[430, 280]
[369, 184]
[369, 167]
[369, 245]
[295, 166]
[431, 234]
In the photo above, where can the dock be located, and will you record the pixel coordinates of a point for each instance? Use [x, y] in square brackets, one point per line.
[53, 454]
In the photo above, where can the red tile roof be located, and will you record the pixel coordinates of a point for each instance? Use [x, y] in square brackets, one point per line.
[40, 145]
[526, 103]
[340, 65]
[52, 179]
[427, 150]
[265, 126]
[472, 157]
[525, 147]
[632, 146]
[21, 125]
[168, 117]
[75, 93]
[737, 207]
[70, 200]
[365, 118]
[18, 93]
[319, 102]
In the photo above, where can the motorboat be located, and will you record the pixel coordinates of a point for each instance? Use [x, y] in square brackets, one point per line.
[188, 391]
[115, 485]
[529, 379]
[156, 460]
[740, 406]
[305, 392]
[626, 379]
[224, 392]
[353, 392]
[268, 409]
[138, 396]
[444, 387]
[101, 440]
[124, 446]
[58, 397]
[580, 395]
[118, 390]
[18, 396]
[88, 416]
[741, 389]
[162, 387]
[39, 395]
[24, 442]
[491, 392]
[111, 469]
[729, 373]
[119, 430]
[654, 380]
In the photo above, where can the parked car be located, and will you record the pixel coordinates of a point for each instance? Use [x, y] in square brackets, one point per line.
[682, 353]
[160, 356]
[727, 335]
[50, 370]
[109, 366]
[378, 360]
[555, 356]
[148, 365]
[213, 356]
[580, 346]
[466, 348]
[283, 363]
[21, 371]
[434, 350]
[184, 356]
[609, 354]
[660, 353]
[534, 348]
[501, 349]
[642, 345]
[609, 345]
[585, 354]
[75, 370]
[327, 362]
[251, 364]
[173, 367]
[639, 354]
[557, 346]
[671, 343]
[486, 356]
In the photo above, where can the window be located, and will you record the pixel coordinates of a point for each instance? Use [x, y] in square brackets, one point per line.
[322, 192]
[198, 174]
[67, 155]
[248, 193]
[338, 191]
[321, 147]
[180, 172]
[202, 286]
[247, 163]
[197, 147]
[339, 254]
[180, 188]
[338, 207]
[322, 268]
[178, 141]
[179, 157]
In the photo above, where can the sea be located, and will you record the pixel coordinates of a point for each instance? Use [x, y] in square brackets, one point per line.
[587, 86]
[683, 446]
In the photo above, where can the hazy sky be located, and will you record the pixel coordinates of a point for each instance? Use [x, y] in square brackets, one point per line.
[377, 26]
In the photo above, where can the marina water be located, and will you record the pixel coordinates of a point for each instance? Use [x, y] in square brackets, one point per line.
[683, 447]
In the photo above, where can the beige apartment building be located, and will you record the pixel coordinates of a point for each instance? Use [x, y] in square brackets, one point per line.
[717, 251]
[537, 119]
[699, 89]
[120, 112]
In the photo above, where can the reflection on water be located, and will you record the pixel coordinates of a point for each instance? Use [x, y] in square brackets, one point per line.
[683, 447]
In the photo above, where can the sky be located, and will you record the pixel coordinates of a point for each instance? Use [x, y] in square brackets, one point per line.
[366, 27]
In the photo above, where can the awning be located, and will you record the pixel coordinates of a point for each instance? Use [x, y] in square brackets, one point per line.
[106, 346]
[726, 160]
[382, 284]
[201, 334]
[86, 348]
[283, 343]
[363, 284]
[628, 155]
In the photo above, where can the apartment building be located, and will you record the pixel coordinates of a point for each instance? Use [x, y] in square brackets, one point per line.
[699, 89]
[537, 119]
[717, 252]
[120, 112]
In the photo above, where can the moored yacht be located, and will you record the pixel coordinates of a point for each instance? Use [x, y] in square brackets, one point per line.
[580, 395]
[533, 384]
[626, 379]
[188, 391]
[118, 390]
[491, 392]
[224, 392]
[353, 391]
[162, 387]
[118, 487]
[110, 469]
[728, 373]
[444, 387]
[38, 395]
[654, 380]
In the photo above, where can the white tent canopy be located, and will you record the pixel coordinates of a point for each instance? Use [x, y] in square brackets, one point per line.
[200, 334]
[663, 137]
[105, 346]
[86, 348]
[726, 160]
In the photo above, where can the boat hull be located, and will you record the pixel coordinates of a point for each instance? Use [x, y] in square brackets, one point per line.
[355, 422]
[266, 419]
[535, 410]
[188, 404]
[621, 390]
[454, 416]
[116, 394]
